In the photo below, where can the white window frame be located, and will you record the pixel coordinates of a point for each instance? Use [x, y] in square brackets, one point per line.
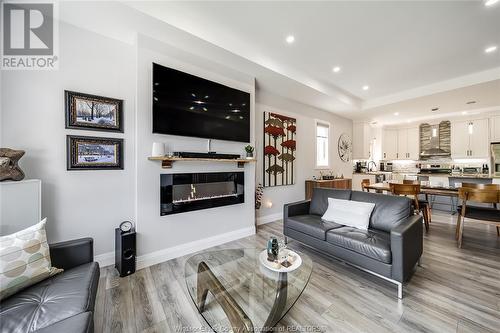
[324, 123]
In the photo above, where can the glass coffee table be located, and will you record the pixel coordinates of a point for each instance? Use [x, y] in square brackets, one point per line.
[234, 291]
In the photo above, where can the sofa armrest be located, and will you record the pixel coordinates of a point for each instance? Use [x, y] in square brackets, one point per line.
[72, 253]
[296, 208]
[406, 247]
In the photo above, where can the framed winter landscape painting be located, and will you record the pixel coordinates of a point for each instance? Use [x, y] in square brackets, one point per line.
[93, 153]
[279, 149]
[90, 112]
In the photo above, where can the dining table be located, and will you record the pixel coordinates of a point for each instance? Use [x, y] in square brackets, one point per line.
[425, 189]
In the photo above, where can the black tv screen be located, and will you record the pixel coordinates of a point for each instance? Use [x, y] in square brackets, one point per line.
[188, 105]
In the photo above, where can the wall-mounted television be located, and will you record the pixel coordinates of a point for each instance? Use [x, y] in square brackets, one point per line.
[187, 105]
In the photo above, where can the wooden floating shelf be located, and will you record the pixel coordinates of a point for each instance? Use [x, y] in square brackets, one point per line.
[166, 162]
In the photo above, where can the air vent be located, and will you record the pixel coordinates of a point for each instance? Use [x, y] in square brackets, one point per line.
[471, 102]
[434, 109]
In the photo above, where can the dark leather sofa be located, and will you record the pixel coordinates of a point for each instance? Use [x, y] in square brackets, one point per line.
[63, 303]
[389, 249]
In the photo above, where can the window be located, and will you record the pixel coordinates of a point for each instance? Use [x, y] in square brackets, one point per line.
[322, 135]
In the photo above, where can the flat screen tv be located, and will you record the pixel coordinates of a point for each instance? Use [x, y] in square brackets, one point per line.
[187, 105]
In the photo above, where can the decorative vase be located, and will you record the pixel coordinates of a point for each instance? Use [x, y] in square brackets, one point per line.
[158, 149]
[272, 249]
[249, 155]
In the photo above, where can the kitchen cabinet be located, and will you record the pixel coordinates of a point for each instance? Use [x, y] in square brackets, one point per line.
[495, 129]
[408, 144]
[361, 141]
[389, 144]
[469, 139]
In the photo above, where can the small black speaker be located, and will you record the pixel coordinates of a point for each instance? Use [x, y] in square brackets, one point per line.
[125, 251]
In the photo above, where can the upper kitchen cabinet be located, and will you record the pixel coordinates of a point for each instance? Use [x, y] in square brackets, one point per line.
[389, 144]
[495, 129]
[408, 144]
[469, 139]
[361, 139]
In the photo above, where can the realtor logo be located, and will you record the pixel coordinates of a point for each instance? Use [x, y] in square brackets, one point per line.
[29, 35]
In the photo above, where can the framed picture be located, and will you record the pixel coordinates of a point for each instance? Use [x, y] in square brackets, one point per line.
[93, 153]
[92, 112]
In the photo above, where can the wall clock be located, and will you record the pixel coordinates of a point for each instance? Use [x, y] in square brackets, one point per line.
[345, 147]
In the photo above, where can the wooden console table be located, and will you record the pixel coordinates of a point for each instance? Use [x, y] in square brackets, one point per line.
[344, 183]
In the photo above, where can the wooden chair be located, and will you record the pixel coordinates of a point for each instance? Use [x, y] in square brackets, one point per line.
[364, 184]
[485, 215]
[412, 190]
[422, 202]
[485, 186]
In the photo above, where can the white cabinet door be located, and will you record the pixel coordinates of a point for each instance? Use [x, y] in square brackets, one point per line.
[495, 129]
[402, 144]
[389, 144]
[460, 139]
[479, 143]
[413, 143]
[361, 141]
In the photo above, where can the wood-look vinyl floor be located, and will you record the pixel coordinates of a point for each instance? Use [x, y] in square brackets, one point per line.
[455, 290]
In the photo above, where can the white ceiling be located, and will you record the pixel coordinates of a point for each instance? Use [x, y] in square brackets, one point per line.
[400, 49]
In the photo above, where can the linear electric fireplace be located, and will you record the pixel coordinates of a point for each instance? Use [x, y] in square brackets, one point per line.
[184, 192]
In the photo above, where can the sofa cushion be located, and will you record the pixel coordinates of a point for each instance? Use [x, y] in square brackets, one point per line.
[311, 225]
[81, 323]
[389, 210]
[319, 200]
[371, 243]
[52, 300]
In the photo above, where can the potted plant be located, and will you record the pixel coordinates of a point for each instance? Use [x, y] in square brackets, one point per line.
[249, 149]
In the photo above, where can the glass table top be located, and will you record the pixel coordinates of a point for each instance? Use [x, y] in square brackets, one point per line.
[234, 292]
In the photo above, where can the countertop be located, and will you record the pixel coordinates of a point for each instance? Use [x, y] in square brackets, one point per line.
[479, 175]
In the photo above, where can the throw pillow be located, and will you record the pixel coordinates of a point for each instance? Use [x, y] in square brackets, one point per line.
[355, 214]
[24, 259]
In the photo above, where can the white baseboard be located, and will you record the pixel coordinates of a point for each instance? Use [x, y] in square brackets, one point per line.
[156, 257]
[269, 218]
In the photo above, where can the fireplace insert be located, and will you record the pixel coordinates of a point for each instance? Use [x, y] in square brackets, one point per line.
[184, 192]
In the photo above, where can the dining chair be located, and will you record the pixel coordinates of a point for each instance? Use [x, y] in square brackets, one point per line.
[413, 190]
[422, 202]
[364, 184]
[486, 186]
[484, 215]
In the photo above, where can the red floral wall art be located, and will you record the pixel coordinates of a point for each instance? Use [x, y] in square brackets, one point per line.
[279, 149]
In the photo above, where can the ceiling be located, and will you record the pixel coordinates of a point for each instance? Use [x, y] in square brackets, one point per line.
[399, 49]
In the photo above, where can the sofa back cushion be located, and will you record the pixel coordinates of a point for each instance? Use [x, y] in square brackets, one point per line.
[319, 200]
[389, 210]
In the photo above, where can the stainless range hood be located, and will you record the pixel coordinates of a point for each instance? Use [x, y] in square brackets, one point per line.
[435, 140]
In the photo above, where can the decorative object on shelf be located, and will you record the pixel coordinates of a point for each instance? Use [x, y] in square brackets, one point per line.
[249, 149]
[158, 149]
[279, 149]
[91, 112]
[259, 191]
[9, 168]
[345, 147]
[94, 153]
[272, 249]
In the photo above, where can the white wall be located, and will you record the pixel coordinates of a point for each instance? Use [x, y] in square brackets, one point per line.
[305, 154]
[76, 203]
[157, 232]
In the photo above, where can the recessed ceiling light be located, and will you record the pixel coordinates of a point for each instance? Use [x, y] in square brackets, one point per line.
[336, 69]
[366, 87]
[396, 113]
[464, 112]
[490, 49]
[290, 39]
[488, 3]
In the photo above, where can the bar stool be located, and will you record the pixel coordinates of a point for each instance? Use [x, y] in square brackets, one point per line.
[412, 190]
[484, 215]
